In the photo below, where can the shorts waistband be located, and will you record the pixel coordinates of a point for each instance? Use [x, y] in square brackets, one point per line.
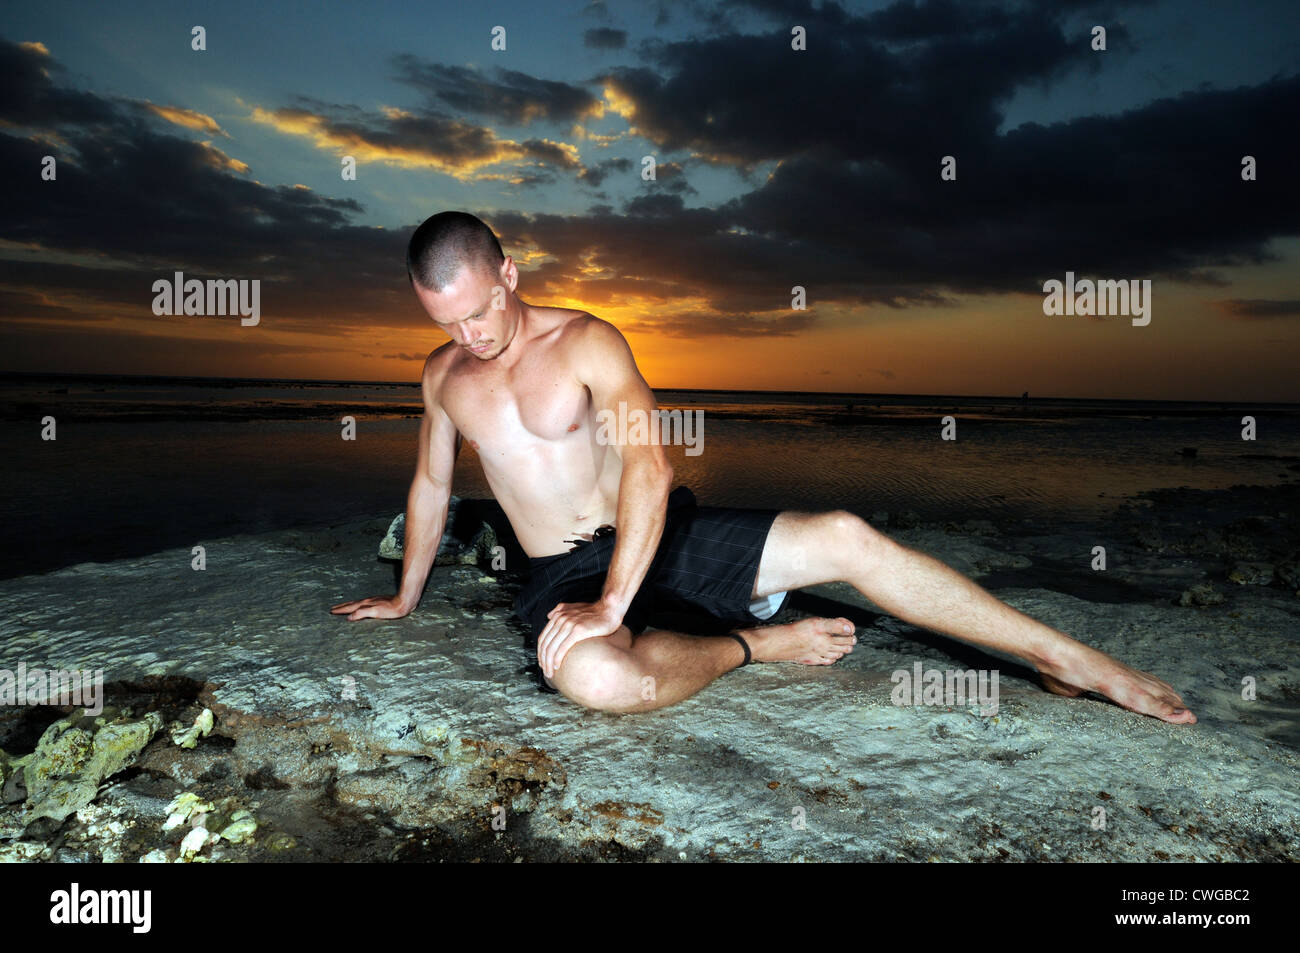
[681, 497]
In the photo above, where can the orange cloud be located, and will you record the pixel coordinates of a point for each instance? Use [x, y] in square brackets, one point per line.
[451, 146]
[189, 118]
[219, 160]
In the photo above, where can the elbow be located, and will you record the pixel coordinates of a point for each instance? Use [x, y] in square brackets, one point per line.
[665, 470]
[652, 467]
[648, 466]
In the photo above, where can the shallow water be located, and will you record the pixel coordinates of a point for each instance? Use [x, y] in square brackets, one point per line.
[209, 460]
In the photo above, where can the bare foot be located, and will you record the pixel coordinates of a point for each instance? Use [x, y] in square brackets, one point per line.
[808, 641]
[1083, 669]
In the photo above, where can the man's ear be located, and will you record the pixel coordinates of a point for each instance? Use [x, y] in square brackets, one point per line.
[509, 273]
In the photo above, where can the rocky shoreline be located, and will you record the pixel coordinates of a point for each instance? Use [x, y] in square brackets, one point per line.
[427, 739]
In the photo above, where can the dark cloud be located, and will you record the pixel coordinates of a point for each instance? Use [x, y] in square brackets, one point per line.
[512, 96]
[661, 249]
[743, 98]
[1155, 191]
[83, 350]
[708, 324]
[856, 204]
[671, 177]
[28, 95]
[604, 38]
[29, 304]
[1260, 308]
[594, 175]
[140, 204]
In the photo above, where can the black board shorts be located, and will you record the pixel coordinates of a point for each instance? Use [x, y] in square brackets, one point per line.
[707, 561]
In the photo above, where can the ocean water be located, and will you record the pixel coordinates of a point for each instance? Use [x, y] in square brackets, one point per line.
[147, 464]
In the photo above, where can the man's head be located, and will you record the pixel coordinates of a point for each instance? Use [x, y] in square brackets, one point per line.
[464, 281]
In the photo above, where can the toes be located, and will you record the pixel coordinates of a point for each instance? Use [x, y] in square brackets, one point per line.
[837, 628]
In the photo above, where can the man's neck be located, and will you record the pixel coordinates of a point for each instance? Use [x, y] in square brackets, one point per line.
[510, 353]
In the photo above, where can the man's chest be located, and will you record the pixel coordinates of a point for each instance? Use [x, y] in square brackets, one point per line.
[505, 414]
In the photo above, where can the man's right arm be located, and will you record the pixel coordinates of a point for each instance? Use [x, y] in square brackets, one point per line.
[426, 506]
[430, 494]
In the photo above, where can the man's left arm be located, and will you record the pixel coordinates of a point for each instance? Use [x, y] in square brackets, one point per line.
[604, 363]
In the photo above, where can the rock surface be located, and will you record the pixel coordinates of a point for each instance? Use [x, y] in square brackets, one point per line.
[427, 738]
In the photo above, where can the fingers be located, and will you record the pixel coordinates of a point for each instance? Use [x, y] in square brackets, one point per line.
[546, 640]
[1177, 715]
[559, 645]
[543, 639]
[372, 608]
[566, 642]
[555, 630]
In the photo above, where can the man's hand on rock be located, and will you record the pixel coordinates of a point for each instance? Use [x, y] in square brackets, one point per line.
[570, 623]
[376, 607]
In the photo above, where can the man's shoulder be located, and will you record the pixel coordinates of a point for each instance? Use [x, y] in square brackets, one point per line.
[437, 364]
[439, 358]
[572, 332]
[595, 349]
[584, 330]
[546, 319]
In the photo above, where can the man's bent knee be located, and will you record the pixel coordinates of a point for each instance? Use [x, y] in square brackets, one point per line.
[598, 673]
[860, 541]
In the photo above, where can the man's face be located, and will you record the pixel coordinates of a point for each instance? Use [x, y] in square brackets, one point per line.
[464, 310]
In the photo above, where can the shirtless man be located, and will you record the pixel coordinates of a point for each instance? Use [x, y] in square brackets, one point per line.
[523, 384]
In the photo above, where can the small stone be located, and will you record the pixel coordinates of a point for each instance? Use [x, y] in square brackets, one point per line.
[280, 841]
[189, 737]
[1202, 594]
[194, 842]
[1252, 574]
[1287, 570]
[241, 827]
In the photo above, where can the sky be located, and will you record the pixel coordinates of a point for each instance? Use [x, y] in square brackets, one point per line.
[775, 168]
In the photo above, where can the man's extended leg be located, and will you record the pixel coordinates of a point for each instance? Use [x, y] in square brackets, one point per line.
[658, 668]
[805, 549]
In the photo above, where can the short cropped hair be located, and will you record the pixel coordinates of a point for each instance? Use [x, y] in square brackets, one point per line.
[446, 243]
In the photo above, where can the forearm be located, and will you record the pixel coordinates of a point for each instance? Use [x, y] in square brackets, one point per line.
[426, 518]
[642, 508]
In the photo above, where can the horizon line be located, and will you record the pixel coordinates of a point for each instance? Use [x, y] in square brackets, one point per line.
[701, 390]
